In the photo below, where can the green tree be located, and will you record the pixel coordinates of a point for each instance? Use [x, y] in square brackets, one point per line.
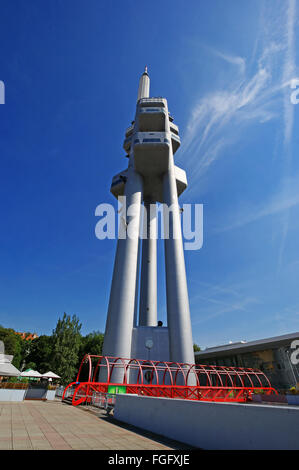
[66, 344]
[26, 347]
[196, 348]
[40, 354]
[90, 344]
[31, 365]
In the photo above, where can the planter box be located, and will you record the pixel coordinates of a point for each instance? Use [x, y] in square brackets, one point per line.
[50, 394]
[293, 399]
[9, 394]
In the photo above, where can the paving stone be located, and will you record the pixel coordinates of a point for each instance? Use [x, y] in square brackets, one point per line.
[53, 425]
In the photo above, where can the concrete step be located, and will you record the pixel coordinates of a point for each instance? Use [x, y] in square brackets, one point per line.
[67, 400]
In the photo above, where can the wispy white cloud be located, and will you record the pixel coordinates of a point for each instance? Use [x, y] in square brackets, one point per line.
[229, 58]
[217, 300]
[236, 306]
[286, 198]
[230, 290]
[221, 117]
[257, 95]
[289, 69]
[288, 74]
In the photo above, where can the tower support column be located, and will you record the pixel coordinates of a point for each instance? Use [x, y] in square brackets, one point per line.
[178, 313]
[148, 289]
[120, 317]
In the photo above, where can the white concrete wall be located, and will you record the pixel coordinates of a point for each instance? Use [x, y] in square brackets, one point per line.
[209, 425]
[50, 394]
[9, 394]
[159, 336]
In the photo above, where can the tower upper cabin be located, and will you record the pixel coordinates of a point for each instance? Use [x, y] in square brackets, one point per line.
[149, 142]
[153, 125]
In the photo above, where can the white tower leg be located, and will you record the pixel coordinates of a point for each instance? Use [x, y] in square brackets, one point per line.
[120, 318]
[178, 313]
[136, 309]
[148, 289]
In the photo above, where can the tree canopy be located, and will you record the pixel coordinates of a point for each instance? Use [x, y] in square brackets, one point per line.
[66, 343]
[40, 354]
[60, 352]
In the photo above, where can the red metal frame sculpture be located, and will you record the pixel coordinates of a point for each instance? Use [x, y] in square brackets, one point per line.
[167, 379]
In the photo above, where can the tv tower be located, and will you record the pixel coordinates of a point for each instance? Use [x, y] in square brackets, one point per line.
[132, 330]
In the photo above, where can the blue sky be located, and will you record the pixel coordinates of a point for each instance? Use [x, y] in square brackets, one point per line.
[71, 72]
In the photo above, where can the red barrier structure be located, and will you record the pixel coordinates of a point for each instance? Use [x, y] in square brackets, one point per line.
[165, 379]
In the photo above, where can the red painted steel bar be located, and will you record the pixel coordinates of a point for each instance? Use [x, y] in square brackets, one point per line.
[221, 383]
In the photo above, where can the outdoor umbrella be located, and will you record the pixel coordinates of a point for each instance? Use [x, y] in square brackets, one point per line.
[51, 375]
[31, 373]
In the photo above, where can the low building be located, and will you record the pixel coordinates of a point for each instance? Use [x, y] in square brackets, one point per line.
[277, 357]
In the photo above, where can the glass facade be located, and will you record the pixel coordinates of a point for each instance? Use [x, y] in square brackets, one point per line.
[274, 362]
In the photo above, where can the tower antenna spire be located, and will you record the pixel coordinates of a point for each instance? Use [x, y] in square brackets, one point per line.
[144, 85]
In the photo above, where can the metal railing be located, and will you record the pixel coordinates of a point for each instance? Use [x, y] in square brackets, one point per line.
[93, 399]
[111, 375]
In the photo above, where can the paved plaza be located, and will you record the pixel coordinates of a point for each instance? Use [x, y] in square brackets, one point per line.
[55, 425]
